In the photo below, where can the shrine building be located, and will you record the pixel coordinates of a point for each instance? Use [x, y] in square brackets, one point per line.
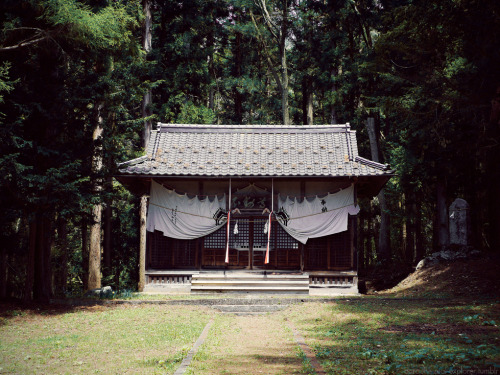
[251, 208]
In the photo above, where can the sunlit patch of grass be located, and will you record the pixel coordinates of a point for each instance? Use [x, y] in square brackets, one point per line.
[141, 339]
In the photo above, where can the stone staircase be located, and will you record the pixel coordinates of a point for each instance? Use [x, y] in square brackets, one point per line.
[254, 305]
[258, 282]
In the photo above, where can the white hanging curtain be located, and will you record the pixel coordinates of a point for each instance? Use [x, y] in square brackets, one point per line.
[181, 217]
[317, 217]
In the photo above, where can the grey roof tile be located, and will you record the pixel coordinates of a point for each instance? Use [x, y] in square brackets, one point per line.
[251, 150]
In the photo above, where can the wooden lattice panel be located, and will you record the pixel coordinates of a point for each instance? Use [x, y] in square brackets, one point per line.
[159, 257]
[340, 251]
[168, 252]
[330, 252]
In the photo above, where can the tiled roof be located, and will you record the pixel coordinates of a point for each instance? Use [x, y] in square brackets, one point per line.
[252, 150]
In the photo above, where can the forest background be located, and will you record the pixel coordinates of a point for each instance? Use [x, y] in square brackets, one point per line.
[81, 82]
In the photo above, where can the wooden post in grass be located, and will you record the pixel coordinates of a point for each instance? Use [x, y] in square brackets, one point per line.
[142, 243]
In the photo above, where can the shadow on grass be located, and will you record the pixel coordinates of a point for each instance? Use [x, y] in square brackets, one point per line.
[12, 310]
[403, 336]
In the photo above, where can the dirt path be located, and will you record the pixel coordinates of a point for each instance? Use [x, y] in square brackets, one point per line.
[260, 344]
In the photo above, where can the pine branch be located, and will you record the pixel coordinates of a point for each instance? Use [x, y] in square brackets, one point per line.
[34, 39]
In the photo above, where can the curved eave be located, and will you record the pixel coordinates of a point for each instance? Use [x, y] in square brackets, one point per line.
[368, 186]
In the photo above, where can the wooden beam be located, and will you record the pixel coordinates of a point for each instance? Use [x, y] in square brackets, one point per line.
[142, 242]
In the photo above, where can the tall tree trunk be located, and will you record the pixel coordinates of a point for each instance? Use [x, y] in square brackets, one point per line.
[95, 248]
[403, 240]
[238, 99]
[384, 241]
[95, 227]
[142, 243]
[370, 228]
[361, 242]
[419, 247]
[284, 67]
[85, 253]
[211, 65]
[62, 233]
[493, 175]
[333, 112]
[280, 35]
[410, 226]
[30, 264]
[108, 216]
[42, 279]
[3, 272]
[307, 100]
[148, 96]
[442, 215]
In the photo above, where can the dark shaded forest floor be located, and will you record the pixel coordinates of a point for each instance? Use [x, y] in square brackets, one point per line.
[471, 278]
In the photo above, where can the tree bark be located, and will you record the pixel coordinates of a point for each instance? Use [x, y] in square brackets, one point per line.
[442, 215]
[333, 112]
[370, 235]
[95, 228]
[419, 248]
[42, 275]
[108, 216]
[410, 226]
[284, 67]
[62, 232]
[142, 243]
[3, 272]
[95, 248]
[307, 101]
[30, 264]
[384, 241]
[238, 105]
[148, 96]
[492, 155]
[361, 241]
[85, 253]
[280, 35]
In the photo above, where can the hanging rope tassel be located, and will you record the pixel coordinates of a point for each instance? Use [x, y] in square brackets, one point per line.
[227, 236]
[268, 224]
[228, 224]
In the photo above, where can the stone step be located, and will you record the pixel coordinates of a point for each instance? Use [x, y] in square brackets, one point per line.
[249, 308]
[244, 313]
[247, 276]
[240, 282]
[249, 289]
[249, 283]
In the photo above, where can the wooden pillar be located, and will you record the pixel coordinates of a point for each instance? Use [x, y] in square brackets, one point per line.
[142, 242]
[329, 253]
[361, 241]
[353, 238]
[354, 234]
[301, 247]
[250, 242]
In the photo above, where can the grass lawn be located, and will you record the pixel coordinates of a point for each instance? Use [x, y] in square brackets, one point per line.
[126, 339]
[373, 335]
[362, 335]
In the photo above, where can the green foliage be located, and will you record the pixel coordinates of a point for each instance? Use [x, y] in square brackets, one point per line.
[108, 28]
[191, 114]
